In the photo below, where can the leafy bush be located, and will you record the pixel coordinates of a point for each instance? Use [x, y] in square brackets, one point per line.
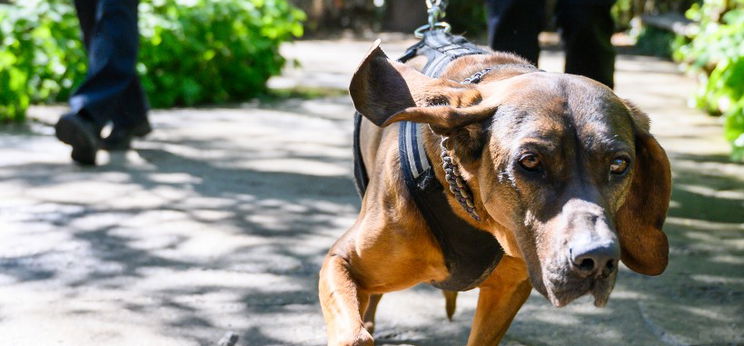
[655, 42]
[211, 51]
[467, 17]
[41, 55]
[191, 52]
[717, 54]
[625, 11]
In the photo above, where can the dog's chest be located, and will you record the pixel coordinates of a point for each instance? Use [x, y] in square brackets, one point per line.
[470, 254]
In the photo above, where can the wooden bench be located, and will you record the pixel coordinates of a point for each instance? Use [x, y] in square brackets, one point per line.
[673, 22]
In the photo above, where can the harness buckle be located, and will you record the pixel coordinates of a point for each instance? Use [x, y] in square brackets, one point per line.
[435, 9]
[444, 26]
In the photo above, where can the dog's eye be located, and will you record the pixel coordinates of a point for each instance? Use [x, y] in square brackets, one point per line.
[619, 165]
[530, 162]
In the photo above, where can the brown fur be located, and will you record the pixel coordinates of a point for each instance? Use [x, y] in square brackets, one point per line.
[575, 125]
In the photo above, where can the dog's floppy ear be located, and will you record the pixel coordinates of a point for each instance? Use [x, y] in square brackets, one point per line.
[385, 91]
[378, 88]
[644, 245]
[444, 119]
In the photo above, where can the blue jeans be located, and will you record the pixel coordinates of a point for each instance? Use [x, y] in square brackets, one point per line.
[112, 90]
[586, 27]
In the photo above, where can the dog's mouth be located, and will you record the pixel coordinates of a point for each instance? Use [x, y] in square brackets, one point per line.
[562, 287]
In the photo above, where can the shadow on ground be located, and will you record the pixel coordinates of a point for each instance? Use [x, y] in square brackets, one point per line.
[180, 226]
[220, 221]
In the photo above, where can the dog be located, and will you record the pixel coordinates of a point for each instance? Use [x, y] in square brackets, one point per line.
[563, 173]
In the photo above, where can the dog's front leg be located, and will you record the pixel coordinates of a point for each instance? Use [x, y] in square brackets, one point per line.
[369, 315]
[343, 304]
[500, 297]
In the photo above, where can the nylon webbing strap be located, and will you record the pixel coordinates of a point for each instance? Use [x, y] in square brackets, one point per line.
[440, 48]
[470, 254]
[361, 180]
[445, 48]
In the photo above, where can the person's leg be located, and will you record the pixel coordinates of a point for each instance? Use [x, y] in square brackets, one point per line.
[111, 91]
[513, 26]
[133, 106]
[131, 119]
[86, 13]
[586, 29]
[78, 128]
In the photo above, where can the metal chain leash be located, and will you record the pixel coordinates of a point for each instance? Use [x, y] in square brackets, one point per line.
[457, 185]
[436, 10]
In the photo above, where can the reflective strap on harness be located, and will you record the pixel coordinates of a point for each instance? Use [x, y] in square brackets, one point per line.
[441, 49]
[470, 254]
[414, 148]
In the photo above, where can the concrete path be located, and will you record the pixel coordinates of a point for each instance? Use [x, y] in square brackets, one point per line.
[220, 219]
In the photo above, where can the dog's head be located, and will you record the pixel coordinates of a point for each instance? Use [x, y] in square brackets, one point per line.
[559, 160]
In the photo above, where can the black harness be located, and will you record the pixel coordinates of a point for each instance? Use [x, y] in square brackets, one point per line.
[470, 254]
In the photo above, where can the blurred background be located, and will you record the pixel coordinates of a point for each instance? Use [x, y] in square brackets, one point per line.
[220, 219]
[207, 52]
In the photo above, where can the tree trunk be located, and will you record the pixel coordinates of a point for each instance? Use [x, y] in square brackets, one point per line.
[332, 15]
[404, 15]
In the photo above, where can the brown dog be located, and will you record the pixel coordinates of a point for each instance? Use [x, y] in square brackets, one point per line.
[563, 173]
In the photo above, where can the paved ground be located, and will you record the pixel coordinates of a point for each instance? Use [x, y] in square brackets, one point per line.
[219, 221]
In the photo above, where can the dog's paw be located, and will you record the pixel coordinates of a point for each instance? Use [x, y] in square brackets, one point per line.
[369, 326]
[362, 338]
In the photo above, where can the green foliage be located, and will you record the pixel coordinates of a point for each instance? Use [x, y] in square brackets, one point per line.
[211, 51]
[622, 13]
[625, 11]
[467, 17]
[40, 55]
[192, 51]
[717, 54]
[655, 42]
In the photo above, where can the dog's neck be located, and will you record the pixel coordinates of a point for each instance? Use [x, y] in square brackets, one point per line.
[485, 222]
[437, 152]
[457, 184]
[485, 69]
[501, 65]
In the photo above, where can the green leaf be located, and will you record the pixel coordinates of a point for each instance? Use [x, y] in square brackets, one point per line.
[191, 51]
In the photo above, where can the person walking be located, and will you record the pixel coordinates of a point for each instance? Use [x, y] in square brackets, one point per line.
[586, 27]
[112, 91]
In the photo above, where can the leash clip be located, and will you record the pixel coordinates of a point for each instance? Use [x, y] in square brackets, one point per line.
[419, 32]
[436, 10]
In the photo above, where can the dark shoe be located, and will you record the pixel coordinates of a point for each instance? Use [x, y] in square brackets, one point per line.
[82, 134]
[121, 138]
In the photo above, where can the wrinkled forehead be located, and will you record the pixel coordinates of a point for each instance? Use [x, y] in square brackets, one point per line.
[547, 105]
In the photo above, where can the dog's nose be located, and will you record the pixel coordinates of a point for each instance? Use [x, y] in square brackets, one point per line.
[591, 259]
